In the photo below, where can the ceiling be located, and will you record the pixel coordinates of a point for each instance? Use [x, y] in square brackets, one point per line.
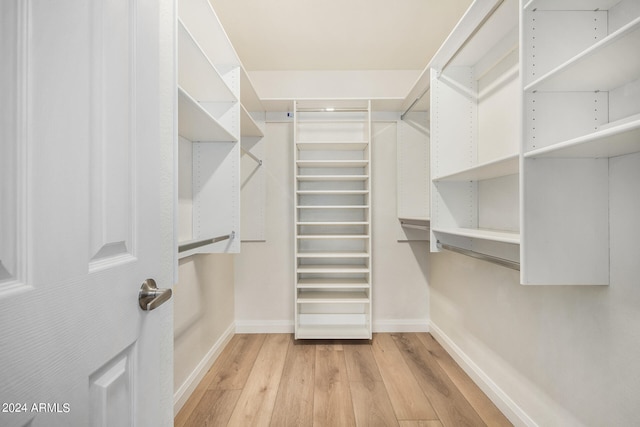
[337, 34]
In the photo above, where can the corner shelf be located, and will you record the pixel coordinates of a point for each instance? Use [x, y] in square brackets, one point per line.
[248, 126]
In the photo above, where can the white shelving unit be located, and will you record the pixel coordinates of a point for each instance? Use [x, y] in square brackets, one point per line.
[332, 219]
[581, 72]
[475, 98]
[212, 88]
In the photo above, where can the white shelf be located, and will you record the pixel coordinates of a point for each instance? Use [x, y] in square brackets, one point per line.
[331, 192]
[494, 169]
[332, 297]
[608, 64]
[610, 142]
[333, 331]
[587, 5]
[332, 255]
[332, 163]
[196, 124]
[341, 223]
[417, 219]
[196, 74]
[333, 269]
[331, 236]
[332, 283]
[332, 177]
[248, 126]
[203, 23]
[332, 145]
[333, 207]
[491, 235]
[248, 96]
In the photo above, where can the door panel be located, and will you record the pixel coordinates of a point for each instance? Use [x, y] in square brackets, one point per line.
[113, 101]
[86, 213]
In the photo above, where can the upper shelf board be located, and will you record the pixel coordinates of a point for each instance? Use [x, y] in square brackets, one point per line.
[570, 4]
[248, 126]
[204, 25]
[616, 140]
[501, 167]
[608, 64]
[196, 74]
[476, 233]
[196, 124]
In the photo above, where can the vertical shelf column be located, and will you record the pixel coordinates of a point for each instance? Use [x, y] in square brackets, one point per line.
[332, 189]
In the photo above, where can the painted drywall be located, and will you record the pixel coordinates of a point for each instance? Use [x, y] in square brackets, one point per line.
[363, 84]
[203, 318]
[264, 270]
[563, 355]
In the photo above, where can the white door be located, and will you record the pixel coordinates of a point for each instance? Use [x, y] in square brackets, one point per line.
[86, 211]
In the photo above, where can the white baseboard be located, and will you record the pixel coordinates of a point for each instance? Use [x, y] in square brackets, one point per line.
[401, 325]
[286, 326]
[264, 326]
[183, 393]
[509, 408]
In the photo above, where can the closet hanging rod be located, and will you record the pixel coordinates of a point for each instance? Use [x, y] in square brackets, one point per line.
[415, 101]
[253, 156]
[473, 33]
[490, 258]
[199, 243]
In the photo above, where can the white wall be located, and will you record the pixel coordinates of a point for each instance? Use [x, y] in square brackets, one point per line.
[203, 318]
[264, 270]
[563, 355]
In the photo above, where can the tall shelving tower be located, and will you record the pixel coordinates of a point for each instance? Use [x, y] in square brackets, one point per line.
[332, 187]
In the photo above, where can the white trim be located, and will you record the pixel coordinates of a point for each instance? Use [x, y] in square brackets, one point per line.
[183, 393]
[264, 326]
[286, 326]
[509, 408]
[401, 325]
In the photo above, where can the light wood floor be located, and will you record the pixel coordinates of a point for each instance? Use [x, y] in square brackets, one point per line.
[402, 379]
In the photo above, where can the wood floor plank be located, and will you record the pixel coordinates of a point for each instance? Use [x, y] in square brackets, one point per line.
[294, 402]
[255, 404]
[214, 409]
[451, 406]
[229, 352]
[489, 412]
[332, 404]
[408, 400]
[421, 423]
[233, 372]
[361, 365]
[372, 405]
[404, 380]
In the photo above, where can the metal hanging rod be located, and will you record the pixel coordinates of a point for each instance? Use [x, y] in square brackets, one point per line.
[253, 156]
[415, 101]
[473, 33]
[199, 243]
[484, 257]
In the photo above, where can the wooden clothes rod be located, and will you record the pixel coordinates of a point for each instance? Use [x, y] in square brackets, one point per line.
[199, 243]
[490, 258]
